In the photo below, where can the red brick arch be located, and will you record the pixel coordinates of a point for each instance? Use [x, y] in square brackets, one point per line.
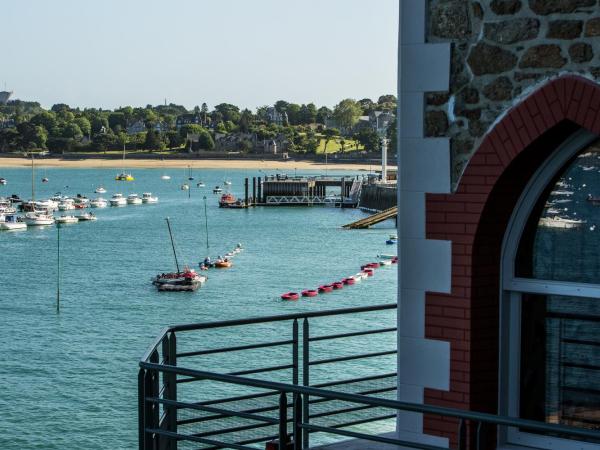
[475, 218]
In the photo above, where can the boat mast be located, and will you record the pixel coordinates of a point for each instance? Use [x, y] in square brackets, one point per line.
[32, 181]
[172, 244]
[58, 268]
[206, 225]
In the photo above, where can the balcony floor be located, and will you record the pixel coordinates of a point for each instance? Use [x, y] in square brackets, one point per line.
[359, 444]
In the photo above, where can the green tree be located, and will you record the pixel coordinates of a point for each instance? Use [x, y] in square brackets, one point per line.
[174, 139]
[368, 138]
[84, 125]
[367, 105]
[308, 114]
[46, 119]
[323, 113]
[72, 131]
[281, 106]
[330, 133]
[228, 112]
[205, 140]
[117, 119]
[153, 141]
[346, 113]
[190, 129]
[221, 128]
[293, 113]
[32, 136]
[391, 135]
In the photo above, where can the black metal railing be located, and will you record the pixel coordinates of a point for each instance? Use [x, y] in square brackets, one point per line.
[341, 390]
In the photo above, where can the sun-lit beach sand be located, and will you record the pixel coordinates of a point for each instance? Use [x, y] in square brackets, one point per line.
[182, 163]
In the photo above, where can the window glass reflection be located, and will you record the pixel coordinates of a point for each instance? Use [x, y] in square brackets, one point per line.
[562, 240]
[560, 360]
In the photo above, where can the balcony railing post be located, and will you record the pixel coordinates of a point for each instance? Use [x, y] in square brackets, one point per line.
[297, 422]
[480, 437]
[305, 379]
[151, 409]
[295, 352]
[462, 435]
[283, 437]
[141, 409]
[170, 380]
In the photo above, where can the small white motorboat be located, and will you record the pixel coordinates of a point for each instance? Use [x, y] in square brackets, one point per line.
[200, 184]
[560, 222]
[227, 183]
[217, 190]
[38, 218]
[134, 199]
[6, 206]
[165, 177]
[185, 187]
[386, 256]
[118, 200]
[66, 204]
[49, 205]
[11, 222]
[87, 217]
[3, 181]
[385, 262]
[45, 180]
[100, 190]
[333, 201]
[147, 197]
[63, 219]
[99, 203]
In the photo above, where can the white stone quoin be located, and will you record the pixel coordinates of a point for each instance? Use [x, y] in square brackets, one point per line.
[423, 265]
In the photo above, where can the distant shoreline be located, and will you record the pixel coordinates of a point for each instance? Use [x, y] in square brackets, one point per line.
[154, 163]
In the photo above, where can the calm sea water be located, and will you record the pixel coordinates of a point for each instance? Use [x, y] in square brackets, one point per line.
[68, 380]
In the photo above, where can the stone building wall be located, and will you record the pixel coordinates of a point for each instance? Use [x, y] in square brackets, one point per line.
[502, 49]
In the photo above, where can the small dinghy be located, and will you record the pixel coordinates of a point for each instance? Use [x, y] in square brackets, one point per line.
[87, 217]
[66, 219]
[223, 264]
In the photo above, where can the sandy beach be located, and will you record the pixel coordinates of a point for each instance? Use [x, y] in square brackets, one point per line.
[182, 163]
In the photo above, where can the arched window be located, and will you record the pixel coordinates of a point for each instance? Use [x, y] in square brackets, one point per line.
[550, 308]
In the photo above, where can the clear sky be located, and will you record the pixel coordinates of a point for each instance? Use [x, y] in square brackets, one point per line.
[113, 53]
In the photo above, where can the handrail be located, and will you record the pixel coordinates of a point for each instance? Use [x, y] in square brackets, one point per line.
[375, 401]
[279, 318]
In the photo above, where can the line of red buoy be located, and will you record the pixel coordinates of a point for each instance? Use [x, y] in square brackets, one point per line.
[367, 269]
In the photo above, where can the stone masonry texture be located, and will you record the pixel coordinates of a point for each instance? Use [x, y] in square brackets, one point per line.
[501, 50]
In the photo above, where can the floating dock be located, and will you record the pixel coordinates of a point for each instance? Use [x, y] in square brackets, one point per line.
[281, 190]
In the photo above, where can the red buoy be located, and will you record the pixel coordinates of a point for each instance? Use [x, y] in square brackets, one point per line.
[349, 281]
[310, 293]
[290, 296]
[337, 285]
[369, 272]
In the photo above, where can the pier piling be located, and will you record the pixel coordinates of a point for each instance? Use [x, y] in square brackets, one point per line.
[246, 191]
[253, 191]
[260, 199]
